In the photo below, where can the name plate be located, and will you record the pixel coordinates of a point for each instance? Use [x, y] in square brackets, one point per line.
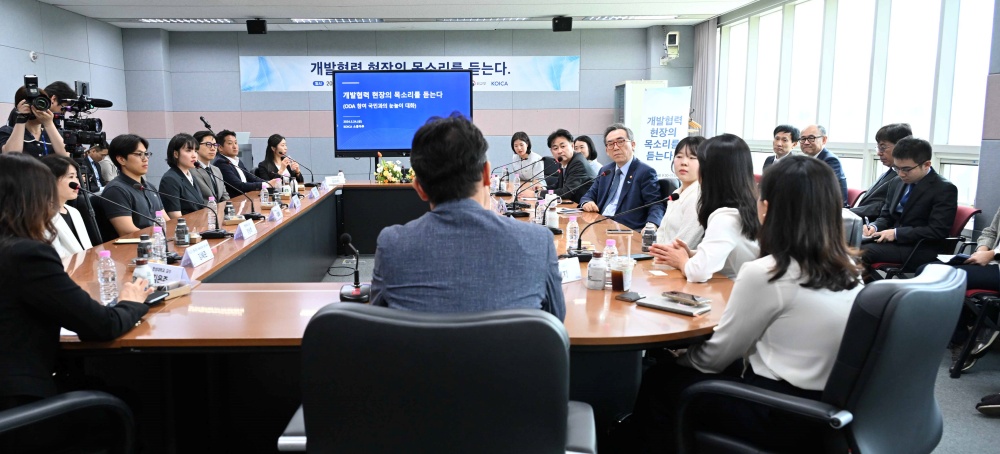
[296, 202]
[275, 215]
[569, 269]
[245, 230]
[314, 193]
[169, 273]
[197, 254]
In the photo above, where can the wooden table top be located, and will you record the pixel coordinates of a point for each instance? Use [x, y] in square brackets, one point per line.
[276, 315]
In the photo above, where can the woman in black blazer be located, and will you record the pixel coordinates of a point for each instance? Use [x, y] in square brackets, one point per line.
[276, 163]
[38, 296]
[178, 183]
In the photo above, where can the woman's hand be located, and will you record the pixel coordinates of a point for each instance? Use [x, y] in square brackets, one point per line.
[670, 254]
[135, 291]
[981, 258]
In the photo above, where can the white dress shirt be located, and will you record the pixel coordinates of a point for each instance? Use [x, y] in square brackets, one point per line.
[612, 207]
[239, 171]
[531, 168]
[724, 249]
[681, 219]
[786, 331]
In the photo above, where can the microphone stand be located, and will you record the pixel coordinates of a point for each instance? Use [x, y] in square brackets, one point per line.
[253, 214]
[172, 257]
[514, 208]
[557, 230]
[357, 293]
[216, 234]
[585, 255]
[500, 192]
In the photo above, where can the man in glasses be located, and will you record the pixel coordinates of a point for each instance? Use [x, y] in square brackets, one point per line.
[813, 143]
[871, 205]
[209, 187]
[920, 205]
[630, 183]
[128, 153]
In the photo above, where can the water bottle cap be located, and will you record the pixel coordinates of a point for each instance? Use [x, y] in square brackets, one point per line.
[609, 243]
[552, 191]
[103, 254]
[159, 213]
[157, 229]
[144, 237]
[572, 219]
[141, 262]
[211, 199]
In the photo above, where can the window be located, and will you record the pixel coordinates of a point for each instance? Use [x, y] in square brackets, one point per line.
[806, 53]
[768, 71]
[852, 61]
[964, 177]
[972, 64]
[736, 79]
[909, 82]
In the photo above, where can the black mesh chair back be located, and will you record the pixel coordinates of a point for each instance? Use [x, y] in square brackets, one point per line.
[551, 166]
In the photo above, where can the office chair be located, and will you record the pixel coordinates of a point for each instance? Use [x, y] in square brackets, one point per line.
[943, 246]
[854, 195]
[93, 230]
[550, 165]
[54, 414]
[376, 379]
[880, 394]
[104, 227]
[667, 186]
[853, 228]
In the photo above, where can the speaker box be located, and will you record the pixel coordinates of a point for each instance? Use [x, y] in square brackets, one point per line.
[257, 26]
[562, 24]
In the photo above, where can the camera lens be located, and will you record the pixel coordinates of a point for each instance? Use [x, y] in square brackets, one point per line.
[41, 103]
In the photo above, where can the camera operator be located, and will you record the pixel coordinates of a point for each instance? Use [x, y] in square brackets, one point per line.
[34, 131]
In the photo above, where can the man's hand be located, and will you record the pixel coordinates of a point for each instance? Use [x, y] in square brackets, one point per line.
[981, 258]
[869, 230]
[590, 206]
[886, 236]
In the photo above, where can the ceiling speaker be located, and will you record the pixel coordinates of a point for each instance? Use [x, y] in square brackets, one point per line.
[257, 26]
[562, 24]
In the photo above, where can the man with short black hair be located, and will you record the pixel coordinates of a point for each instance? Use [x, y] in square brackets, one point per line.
[921, 205]
[629, 184]
[128, 152]
[812, 142]
[786, 138]
[96, 180]
[448, 260]
[203, 176]
[871, 205]
[233, 170]
[572, 181]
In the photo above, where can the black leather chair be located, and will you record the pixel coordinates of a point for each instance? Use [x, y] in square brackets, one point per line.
[104, 226]
[93, 227]
[667, 186]
[383, 380]
[54, 414]
[880, 394]
[550, 166]
[853, 228]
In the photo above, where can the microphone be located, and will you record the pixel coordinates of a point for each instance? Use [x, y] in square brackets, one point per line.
[514, 207]
[312, 177]
[584, 255]
[172, 257]
[207, 126]
[91, 103]
[357, 293]
[253, 214]
[208, 234]
[570, 191]
[507, 164]
[500, 192]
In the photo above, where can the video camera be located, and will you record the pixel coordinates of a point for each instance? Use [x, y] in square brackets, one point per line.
[79, 131]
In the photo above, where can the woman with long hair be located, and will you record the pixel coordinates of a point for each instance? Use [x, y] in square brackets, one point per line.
[726, 210]
[785, 318]
[681, 219]
[39, 297]
[71, 232]
[276, 163]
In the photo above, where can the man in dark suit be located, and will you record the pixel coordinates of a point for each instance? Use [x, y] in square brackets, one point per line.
[871, 205]
[813, 143]
[921, 205]
[786, 138]
[632, 184]
[573, 182]
[233, 170]
[96, 180]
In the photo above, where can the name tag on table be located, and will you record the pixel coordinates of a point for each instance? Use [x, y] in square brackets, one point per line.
[197, 254]
[275, 215]
[569, 269]
[245, 230]
[295, 202]
[169, 273]
[313, 193]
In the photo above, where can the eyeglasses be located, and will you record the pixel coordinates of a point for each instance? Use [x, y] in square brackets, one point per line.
[810, 138]
[884, 146]
[906, 169]
[612, 143]
[210, 144]
[143, 155]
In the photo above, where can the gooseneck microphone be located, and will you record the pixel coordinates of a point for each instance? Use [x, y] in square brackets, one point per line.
[312, 177]
[514, 207]
[216, 234]
[585, 255]
[253, 214]
[172, 257]
[207, 126]
[358, 292]
[547, 206]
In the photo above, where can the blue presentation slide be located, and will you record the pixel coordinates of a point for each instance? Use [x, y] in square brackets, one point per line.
[381, 111]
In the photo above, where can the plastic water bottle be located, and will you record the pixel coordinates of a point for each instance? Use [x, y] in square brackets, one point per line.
[212, 209]
[500, 206]
[182, 237]
[596, 270]
[610, 254]
[341, 177]
[539, 211]
[142, 270]
[515, 182]
[161, 219]
[265, 197]
[572, 234]
[107, 278]
[494, 183]
[159, 254]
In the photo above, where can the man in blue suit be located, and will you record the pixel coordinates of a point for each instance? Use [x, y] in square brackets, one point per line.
[449, 259]
[812, 142]
[627, 183]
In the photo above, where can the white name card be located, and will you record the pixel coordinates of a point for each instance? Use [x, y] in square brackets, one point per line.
[245, 230]
[313, 193]
[295, 202]
[275, 215]
[569, 269]
[197, 254]
[169, 273]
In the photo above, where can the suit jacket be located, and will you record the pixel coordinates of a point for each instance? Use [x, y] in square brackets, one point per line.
[94, 174]
[267, 170]
[39, 298]
[65, 243]
[210, 187]
[770, 160]
[929, 212]
[871, 204]
[640, 188]
[175, 183]
[458, 242]
[108, 169]
[229, 174]
[834, 162]
[575, 175]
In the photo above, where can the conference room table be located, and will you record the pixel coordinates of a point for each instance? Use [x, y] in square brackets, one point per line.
[257, 295]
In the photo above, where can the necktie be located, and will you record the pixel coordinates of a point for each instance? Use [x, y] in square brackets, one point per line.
[904, 198]
[211, 182]
[611, 202]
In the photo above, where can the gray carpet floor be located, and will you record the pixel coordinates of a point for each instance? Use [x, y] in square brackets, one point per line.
[965, 429]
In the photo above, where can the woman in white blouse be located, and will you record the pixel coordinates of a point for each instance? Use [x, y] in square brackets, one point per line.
[71, 233]
[529, 165]
[681, 219]
[785, 318]
[726, 209]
